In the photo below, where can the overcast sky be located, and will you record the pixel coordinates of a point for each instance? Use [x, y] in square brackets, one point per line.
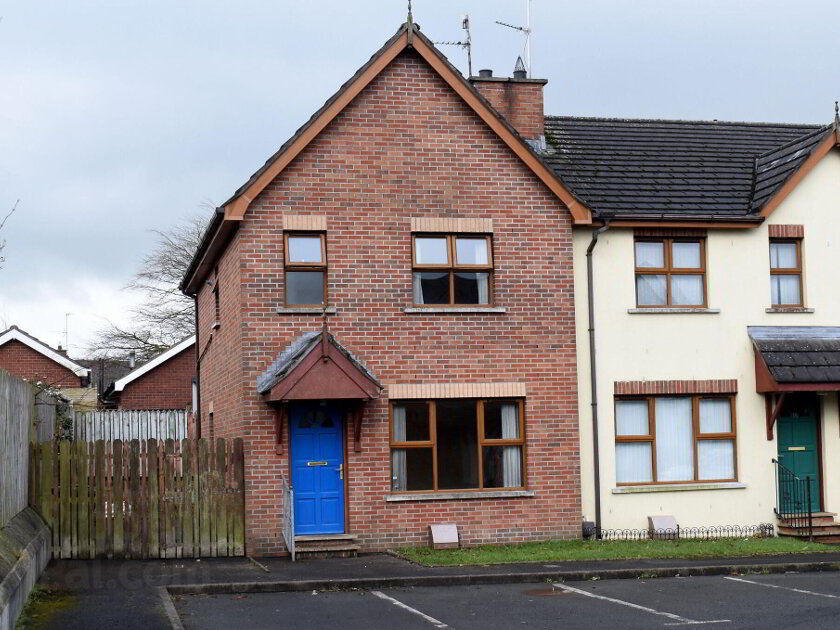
[118, 117]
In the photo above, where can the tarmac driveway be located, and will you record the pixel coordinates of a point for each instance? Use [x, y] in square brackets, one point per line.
[790, 601]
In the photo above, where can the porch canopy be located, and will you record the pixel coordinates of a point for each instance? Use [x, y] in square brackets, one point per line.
[794, 359]
[315, 366]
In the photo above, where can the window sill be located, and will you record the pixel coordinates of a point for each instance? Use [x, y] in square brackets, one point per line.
[788, 309]
[675, 311]
[679, 487]
[304, 310]
[447, 496]
[435, 310]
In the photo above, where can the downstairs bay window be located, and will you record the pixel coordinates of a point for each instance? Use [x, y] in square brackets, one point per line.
[675, 439]
[455, 444]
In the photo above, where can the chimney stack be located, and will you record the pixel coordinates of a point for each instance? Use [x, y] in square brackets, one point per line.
[518, 99]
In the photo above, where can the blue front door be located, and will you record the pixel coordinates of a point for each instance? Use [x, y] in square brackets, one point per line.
[317, 455]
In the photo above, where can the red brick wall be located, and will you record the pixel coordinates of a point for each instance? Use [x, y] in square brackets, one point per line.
[167, 386]
[407, 146]
[22, 361]
[519, 101]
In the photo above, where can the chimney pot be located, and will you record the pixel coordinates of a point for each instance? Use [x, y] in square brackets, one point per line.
[519, 71]
[485, 72]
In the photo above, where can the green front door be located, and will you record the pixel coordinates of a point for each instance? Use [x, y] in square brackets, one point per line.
[797, 440]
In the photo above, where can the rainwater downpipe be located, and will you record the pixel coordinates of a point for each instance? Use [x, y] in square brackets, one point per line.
[593, 373]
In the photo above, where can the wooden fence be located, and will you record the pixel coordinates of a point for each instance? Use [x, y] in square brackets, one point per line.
[141, 499]
[46, 413]
[16, 411]
[129, 424]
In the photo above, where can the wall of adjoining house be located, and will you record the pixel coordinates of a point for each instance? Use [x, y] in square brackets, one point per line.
[636, 347]
[407, 146]
[167, 386]
[22, 361]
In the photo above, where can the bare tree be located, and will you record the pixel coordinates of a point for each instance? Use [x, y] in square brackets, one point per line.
[2, 223]
[165, 316]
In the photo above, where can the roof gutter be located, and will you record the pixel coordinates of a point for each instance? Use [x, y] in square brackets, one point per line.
[215, 239]
[593, 372]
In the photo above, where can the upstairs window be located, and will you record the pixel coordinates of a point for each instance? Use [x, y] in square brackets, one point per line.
[452, 270]
[786, 272]
[306, 269]
[670, 273]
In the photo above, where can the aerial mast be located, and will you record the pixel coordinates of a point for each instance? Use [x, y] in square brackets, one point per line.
[526, 31]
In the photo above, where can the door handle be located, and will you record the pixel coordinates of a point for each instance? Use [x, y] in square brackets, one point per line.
[316, 463]
[341, 471]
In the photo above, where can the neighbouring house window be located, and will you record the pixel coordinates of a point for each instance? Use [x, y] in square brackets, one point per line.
[786, 272]
[457, 445]
[452, 269]
[670, 272]
[306, 269]
[672, 439]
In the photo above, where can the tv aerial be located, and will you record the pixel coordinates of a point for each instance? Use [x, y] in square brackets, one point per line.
[526, 31]
[465, 43]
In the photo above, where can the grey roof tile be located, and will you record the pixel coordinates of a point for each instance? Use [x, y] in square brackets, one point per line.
[799, 354]
[675, 168]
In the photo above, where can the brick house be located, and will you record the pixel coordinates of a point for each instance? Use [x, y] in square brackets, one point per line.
[386, 315]
[164, 382]
[29, 358]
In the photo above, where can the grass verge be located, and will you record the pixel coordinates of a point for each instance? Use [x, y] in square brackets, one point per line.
[572, 550]
[41, 606]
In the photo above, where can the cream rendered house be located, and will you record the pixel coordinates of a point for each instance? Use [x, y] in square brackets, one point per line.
[716, 318]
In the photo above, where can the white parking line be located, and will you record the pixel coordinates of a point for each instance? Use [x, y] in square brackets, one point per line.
[784, 588]
[676, 619]
[396, 602]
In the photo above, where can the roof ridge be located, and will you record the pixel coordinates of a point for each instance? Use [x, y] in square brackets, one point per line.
[791, 143]
[758, 124]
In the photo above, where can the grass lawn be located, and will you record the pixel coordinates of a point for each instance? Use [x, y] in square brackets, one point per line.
[566, 550]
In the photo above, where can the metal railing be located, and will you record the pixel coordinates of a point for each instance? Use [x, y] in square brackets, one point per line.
[288, 517]
[793, 500]
[710, 532]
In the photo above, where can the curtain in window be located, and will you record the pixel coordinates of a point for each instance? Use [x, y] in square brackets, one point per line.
[483, 282]
[633, 462]
[631, 417]
[674, 440]
[784, 289]
[715, 459]
[687, 290]
[685, 255]
[512, 455]
[650, 255]
[783, 255]
[650, 289]
[399, 470]
[417, 285]
[715, 416]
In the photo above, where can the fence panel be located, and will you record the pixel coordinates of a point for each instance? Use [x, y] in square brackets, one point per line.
[130, 424]
[16, 411]
[149, 499]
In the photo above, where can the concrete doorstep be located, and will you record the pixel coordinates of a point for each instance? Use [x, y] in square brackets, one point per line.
[470, 579]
